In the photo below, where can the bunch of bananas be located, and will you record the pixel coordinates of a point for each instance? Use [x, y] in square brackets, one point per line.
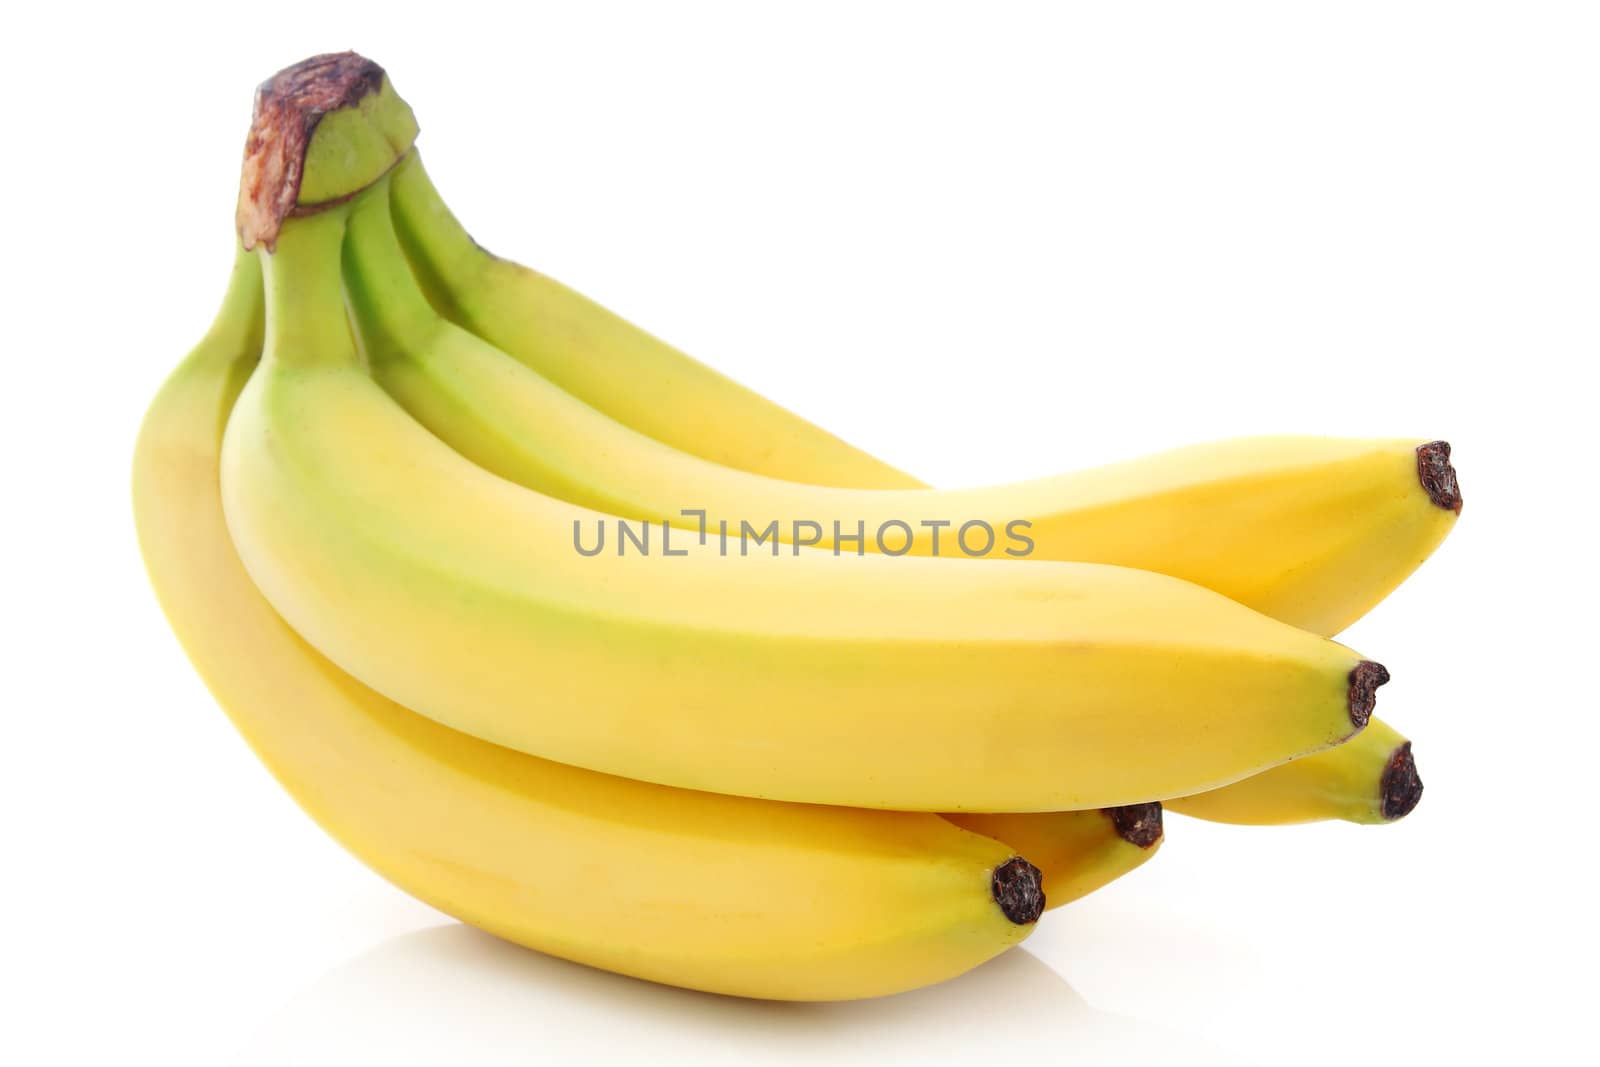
[776, 738]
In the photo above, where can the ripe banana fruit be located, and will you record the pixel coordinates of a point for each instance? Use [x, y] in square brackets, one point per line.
[1311, 530]
[1251, 514]
[1371, 779]
[746, 897]
[916, 684]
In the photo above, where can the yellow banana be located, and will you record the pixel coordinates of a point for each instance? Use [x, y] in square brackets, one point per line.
[1078, 851]
[916, 684]
[1371, 779]
[1311, 530]
[747, 897]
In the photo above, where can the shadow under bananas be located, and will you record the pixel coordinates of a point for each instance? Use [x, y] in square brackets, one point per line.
[452, 994]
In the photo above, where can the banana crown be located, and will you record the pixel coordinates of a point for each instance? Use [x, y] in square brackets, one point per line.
[322, 131]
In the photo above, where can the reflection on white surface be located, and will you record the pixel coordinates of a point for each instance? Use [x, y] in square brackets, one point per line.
[450, 994]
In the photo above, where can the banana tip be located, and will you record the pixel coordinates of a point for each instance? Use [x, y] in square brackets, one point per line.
[1437, 476]
[1365, 677]
[1137, 824]
[1402, 787]
[1018, 889]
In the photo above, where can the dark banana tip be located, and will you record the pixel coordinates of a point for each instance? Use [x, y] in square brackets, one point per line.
[1365, 677]
[1437, 476]
[1137, 824]
[1401, 785]
[1019, 890]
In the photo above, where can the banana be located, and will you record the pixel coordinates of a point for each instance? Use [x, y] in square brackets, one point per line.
[1078, 851]
[916, 684]
[746, 897]
[1371, 779]
[510, 420]
[1311, 530]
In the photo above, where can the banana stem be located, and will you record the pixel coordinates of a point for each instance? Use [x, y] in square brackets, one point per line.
[389, 303]
[306, 321]
[435, 242]
[240, 321]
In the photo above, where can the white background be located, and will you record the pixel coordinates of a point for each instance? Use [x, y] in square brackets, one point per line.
[986, 242]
